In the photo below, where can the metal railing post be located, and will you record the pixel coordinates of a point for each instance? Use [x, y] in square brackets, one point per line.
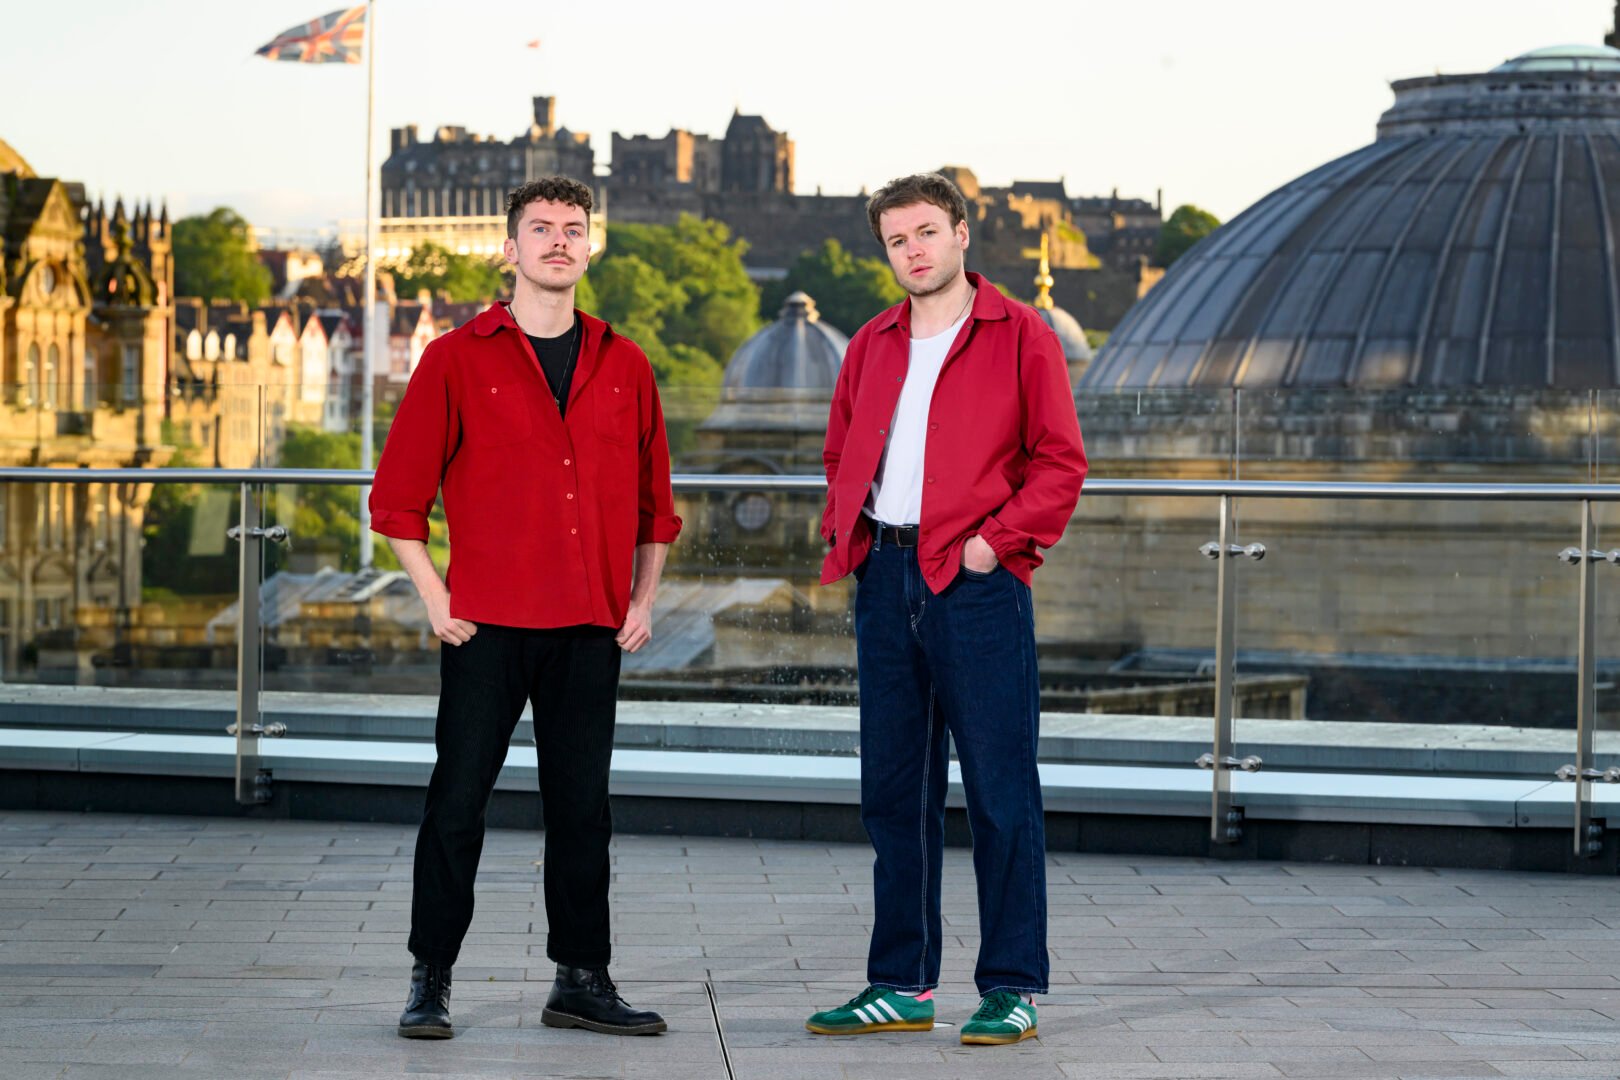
[252, 778]
[1586, 682]
[1226, 822]
[1588, 834]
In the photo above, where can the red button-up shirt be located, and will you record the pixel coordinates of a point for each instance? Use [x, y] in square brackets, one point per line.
[544, 512]
[1003, 457]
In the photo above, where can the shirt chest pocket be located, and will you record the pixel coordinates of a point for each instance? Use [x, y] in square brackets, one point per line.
[497, 415]
[614, 408]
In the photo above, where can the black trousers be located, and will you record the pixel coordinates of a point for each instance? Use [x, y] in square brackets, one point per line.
[571, 676]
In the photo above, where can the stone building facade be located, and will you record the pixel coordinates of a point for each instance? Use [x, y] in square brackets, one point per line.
[85, 305]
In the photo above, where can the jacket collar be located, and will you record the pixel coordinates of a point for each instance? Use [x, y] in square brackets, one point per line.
[988, 303]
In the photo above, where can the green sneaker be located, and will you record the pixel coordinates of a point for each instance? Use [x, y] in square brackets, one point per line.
[875, 1009]
[1003, 1017]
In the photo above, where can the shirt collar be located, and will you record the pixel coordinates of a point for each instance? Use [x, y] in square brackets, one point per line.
[498, 316]
[988, 303]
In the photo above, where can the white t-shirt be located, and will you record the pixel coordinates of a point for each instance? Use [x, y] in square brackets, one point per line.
[897, 490]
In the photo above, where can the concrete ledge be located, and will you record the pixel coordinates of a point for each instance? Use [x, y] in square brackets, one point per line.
[1467, 750]
[683, 775]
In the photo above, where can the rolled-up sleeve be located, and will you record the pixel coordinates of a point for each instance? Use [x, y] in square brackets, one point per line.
[657, 522]
[424, 435]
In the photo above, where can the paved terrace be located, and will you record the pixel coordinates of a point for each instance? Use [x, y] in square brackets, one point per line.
[186, 948]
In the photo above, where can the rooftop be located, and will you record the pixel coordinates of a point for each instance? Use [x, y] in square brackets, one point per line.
[196, 948]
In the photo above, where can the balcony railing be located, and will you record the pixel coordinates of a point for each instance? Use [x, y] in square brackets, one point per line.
[1353, 521]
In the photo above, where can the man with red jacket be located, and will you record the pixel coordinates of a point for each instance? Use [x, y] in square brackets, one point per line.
[543, 430]
[953, 455]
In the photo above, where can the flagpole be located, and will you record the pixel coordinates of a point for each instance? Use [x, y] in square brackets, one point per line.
[369, 352]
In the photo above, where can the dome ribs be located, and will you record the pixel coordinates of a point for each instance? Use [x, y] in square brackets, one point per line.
[1461, 153]
[1606, 221]
[1488, 312]
[1296, 356]
[1443, 264]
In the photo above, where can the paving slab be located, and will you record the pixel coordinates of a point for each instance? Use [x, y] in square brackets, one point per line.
[177, 948]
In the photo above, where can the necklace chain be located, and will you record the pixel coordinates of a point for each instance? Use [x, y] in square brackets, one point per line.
[972, 292]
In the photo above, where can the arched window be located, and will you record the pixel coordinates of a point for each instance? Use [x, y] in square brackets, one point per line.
[53, 365]
[30, 386]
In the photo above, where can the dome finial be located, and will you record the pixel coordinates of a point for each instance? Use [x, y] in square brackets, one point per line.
[1043, 278]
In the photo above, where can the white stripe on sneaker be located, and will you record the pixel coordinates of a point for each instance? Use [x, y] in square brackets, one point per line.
[890, 1010]
[1020, 1018]
[860, 1011]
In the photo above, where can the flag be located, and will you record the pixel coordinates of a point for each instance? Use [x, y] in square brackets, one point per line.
[336, 38]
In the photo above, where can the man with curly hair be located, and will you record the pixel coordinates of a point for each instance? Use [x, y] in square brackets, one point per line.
[953, 456]
[542, 428]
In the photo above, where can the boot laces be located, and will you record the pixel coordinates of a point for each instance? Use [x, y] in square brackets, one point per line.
[437, 983]
[602, 984]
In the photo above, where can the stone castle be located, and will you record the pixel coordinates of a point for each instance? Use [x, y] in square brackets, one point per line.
[1099, 247]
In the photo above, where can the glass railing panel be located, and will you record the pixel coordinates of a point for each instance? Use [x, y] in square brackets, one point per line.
[1125, 604]
[126, 586]
[1407, 636]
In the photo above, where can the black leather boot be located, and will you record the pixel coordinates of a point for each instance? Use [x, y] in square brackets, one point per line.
[586, 998]
[427, 1010]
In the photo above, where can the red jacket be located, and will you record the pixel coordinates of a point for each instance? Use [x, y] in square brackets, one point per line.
[1004, 457]
[544, 513]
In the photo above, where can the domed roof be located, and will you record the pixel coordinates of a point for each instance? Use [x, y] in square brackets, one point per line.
[1564, 58]
[1473, 244]
[1070, 335]
[1076, 349]
[796, 352]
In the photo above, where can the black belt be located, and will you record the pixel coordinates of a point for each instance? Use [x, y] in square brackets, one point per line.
[901, 535]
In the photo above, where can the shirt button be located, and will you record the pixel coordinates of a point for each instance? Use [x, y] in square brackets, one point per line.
[930, 479]
[492, 389]
[568, 461]
[571, 532]
[933, 427]
[882, 432]
[899, 378]
[570, 494]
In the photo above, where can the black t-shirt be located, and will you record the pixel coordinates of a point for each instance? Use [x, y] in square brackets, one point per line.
[554, 354]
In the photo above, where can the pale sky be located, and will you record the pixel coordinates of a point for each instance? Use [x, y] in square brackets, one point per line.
[1216, 103]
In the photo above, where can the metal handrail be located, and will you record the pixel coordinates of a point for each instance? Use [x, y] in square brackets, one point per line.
[1252, 489]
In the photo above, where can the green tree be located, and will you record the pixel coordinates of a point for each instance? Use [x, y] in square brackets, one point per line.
[1182, 230]
[326, 517]
[169, 566]
[438, 269]
[848, 290]
[631, 291]
[701, 258]
[214, 259]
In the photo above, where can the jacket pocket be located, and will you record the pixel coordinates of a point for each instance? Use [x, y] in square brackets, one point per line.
[614, 408]
[497, 415]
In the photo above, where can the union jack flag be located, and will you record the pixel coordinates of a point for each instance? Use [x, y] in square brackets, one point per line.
[336, 38]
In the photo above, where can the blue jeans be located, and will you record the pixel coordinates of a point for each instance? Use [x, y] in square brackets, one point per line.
[961, 662]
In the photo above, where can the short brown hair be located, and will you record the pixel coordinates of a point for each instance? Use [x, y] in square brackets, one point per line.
[918, 188]
[559, 189]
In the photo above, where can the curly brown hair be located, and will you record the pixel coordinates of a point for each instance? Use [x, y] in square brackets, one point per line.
[560, 189]
[910, 190]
